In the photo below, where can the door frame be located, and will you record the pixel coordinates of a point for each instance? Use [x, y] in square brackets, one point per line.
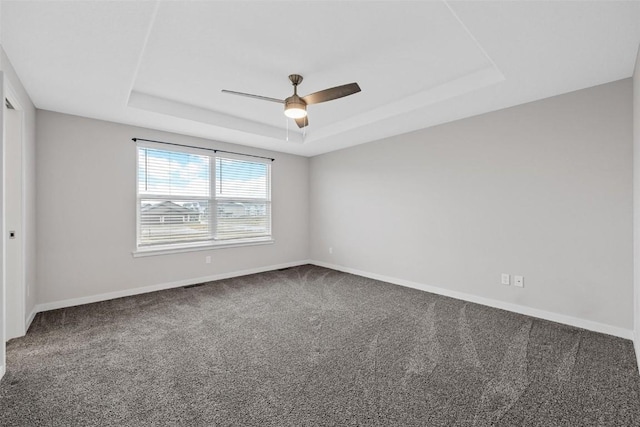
[3, 333]
[8, 93]
[12, 98]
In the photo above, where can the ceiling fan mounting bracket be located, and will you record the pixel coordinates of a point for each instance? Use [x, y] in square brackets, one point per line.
[296, 79]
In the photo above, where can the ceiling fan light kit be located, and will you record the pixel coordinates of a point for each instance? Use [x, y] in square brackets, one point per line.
[295, 106]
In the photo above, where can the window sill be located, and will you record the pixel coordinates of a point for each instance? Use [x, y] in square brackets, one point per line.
[167, 250]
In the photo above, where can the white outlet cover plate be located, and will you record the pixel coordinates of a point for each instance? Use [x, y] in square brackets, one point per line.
[518, 281]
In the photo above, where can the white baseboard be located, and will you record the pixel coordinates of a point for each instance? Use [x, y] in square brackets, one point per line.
[516, 308]
[32, 315]
[636, 346]
[159, 287]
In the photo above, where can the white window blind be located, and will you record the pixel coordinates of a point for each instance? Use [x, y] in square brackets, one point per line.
[242, 199]
[189, 197]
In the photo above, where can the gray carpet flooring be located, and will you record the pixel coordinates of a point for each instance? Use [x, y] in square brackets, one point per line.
[310, 346]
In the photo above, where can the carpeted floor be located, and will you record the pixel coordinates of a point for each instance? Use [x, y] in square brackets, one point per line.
[310, 346]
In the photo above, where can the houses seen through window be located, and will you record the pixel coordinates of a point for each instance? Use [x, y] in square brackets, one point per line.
[189, 197]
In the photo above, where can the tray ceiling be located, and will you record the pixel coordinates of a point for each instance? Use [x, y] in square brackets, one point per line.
[163, 64]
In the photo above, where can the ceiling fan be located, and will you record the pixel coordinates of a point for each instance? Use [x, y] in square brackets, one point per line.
[295, 106]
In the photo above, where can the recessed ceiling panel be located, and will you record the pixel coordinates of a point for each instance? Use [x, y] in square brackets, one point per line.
[393, 50]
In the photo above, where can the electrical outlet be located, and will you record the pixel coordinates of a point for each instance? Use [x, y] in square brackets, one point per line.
[207, 259]
[505, 279]
[330, 251]
[518, 281]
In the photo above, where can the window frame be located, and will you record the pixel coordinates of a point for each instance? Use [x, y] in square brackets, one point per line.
[211, 242]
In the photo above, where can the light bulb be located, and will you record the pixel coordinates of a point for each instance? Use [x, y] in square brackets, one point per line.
[295, 113]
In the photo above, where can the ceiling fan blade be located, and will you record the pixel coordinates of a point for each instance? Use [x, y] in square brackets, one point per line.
[331, 94]
[302, 121]
[249, 95]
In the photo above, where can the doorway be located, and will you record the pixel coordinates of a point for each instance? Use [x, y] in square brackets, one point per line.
[13, 289]
[13, 235]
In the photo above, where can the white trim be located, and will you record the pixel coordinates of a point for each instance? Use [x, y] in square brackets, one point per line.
[151, 251]
[32, 316]
[162, 286]
[516, 308]
[11, 95]
[3, 281]
[636, 346]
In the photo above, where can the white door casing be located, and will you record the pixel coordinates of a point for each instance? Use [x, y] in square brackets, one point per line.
[3, 326]
[13, 206]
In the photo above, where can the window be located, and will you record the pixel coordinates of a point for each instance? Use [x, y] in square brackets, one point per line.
[191, 198]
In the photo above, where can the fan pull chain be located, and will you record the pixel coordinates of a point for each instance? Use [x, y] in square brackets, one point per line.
[287, 120]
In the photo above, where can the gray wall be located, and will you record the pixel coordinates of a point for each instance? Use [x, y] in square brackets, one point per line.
[542, 190]
[87, 222]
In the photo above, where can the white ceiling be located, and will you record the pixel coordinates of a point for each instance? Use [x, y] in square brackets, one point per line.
[163, 64]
